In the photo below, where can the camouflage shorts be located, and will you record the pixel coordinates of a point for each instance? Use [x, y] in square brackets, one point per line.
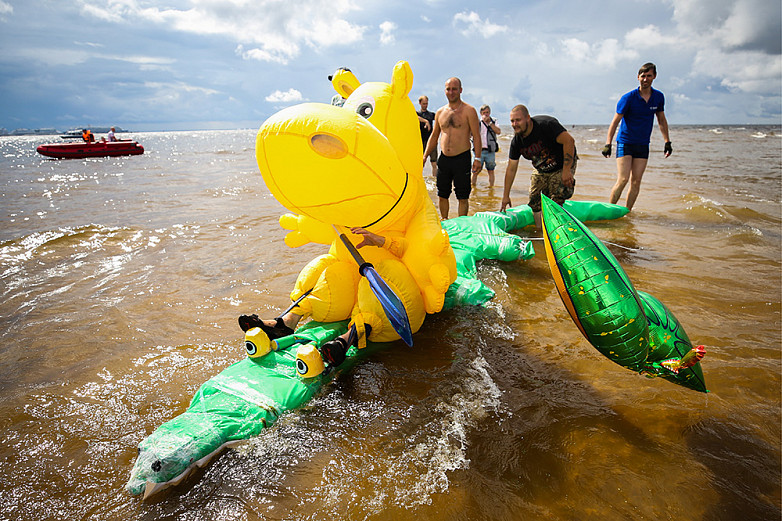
[550, 184]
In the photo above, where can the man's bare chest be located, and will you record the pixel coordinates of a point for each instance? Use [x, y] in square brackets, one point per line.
[453, 119]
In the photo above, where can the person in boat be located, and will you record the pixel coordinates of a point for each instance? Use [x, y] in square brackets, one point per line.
[333, 351]
[87, 136]
[110, 136]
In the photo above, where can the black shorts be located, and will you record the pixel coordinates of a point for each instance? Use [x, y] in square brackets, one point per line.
[454, 170]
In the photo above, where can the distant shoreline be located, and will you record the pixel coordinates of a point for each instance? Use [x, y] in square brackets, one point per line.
[51, 131]
[103, 130]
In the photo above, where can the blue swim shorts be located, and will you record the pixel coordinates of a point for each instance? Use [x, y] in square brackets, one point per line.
[636, 151]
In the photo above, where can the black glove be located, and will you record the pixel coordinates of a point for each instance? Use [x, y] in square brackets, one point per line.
[668, 150]
[606, 150]
[334, 351]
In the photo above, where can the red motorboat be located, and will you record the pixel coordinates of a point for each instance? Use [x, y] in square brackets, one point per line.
[125, 147]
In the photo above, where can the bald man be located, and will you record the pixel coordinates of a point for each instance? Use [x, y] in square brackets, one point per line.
[551, 149]
[454, 125]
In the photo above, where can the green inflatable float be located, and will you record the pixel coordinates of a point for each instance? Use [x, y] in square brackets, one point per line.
[629, 327]
[250, 395]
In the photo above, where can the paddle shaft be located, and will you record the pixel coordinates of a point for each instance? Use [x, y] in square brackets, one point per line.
[354, 253]
[392, 306]
[296, 302]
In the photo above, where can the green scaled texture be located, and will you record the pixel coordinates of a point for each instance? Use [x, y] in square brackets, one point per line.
[668, 340]
[630, 327]
[595, 289]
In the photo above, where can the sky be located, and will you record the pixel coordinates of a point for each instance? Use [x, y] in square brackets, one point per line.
[225, 64]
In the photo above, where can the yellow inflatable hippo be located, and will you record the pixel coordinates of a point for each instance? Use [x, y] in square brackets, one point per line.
[358, 165]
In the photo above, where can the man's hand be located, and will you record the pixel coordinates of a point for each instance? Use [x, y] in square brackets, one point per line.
[476, 166]
[606, 150]
[369, 238]
[505, 203]
[668, 150]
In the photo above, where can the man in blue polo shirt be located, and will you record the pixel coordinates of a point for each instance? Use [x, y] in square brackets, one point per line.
[636, 111]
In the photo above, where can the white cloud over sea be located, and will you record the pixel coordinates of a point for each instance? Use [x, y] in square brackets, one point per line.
[205, 63]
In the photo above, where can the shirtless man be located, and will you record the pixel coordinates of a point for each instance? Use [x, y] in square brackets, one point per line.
[457, 122]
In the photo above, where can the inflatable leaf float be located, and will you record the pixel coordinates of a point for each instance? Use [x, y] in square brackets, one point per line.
[629, 327]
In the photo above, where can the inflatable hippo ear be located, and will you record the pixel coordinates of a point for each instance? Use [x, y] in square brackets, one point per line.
[402, 80]
[344, 82]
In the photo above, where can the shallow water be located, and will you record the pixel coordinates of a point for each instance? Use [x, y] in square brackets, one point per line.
[122, 279]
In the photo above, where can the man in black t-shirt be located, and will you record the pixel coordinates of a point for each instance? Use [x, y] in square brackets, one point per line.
[552, 151]
[426, 121]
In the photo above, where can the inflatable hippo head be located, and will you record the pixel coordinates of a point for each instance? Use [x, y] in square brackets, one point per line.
[388, 107]
[355, 165]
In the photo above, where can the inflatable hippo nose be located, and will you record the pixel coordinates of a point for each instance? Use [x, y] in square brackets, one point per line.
[328, 146]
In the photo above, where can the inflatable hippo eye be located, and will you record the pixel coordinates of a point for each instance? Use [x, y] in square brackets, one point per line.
[365, 107]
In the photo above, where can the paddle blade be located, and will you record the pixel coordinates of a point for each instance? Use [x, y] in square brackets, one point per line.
[393, 307]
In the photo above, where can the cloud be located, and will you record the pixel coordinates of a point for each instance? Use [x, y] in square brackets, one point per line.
[642, 38]
[753, 25]
[472, 23]
[289, 96]
[577, 49]
[271, 30]
[605, 53]
[386, 33]
[281, 54]
[746, 71]
[718, 59]
[732, 24]
[143, 60]
[94, 45]
[177, 87]
[103, 13]
[734, 41]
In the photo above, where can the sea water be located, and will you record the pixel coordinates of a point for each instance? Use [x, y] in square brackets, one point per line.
[122, 279]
